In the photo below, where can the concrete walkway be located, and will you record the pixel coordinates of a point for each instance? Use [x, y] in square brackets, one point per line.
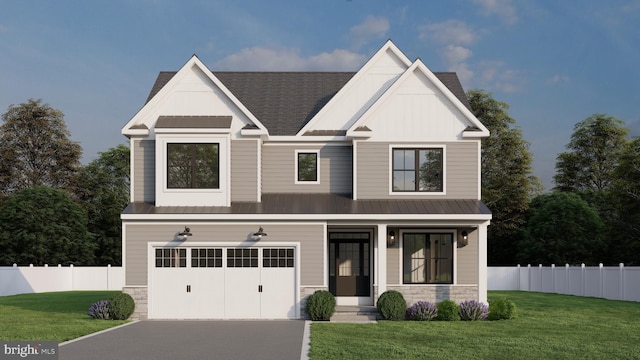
[158, 340]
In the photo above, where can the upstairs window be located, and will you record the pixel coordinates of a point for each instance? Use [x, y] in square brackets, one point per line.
[418, 170]
[193, 166]
[307, 167]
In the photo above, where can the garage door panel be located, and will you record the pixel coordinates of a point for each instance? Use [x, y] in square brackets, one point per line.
[223, 283]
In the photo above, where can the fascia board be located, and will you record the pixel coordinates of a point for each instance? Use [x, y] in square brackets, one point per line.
[308, 217]
[192, 131]
[389, 45]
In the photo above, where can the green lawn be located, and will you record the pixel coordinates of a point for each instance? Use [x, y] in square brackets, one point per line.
[549, 326]
[54, 316]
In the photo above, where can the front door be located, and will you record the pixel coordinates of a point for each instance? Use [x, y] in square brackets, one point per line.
[349, 263]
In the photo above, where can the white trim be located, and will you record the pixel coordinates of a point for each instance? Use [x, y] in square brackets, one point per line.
[418, 147]
[259, 180]
[354, 170]
[166, 196]
[312, 144]
[482, 262]
[380, 266]
[454, 244]
[448, 218]
[132, 168]
[296, 161]
[479, 162]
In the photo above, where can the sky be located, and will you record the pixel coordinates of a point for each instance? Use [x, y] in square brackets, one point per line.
[554, 63]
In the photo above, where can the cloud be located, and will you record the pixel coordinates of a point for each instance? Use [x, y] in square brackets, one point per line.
[494, 75]
[454, 54]
[448, 32]
[557, 79]
[504, 9]
[371, 28]
[270, 59]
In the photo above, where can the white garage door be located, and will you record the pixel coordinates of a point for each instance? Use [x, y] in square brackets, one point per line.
[222, 283]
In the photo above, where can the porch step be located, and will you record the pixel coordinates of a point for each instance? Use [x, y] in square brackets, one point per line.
[355, 314]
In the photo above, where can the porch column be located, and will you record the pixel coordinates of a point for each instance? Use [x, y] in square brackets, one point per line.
[482, 262]
[381, 259]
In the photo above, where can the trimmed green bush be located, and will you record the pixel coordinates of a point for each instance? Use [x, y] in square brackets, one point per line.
[321, 305]
[392, 306]
[121, 306]
[448, 310]
[502, 309]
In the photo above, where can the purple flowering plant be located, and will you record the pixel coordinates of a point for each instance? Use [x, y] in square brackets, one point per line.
[422, 311]
[100, 310]
[472, 310]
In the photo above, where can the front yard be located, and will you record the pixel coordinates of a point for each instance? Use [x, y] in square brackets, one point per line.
[549, 326]
[55, 316]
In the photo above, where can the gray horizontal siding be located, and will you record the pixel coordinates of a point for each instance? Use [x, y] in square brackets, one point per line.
[278, 170]
[310, 237]
[467, 261]
[144, 166]
[373, 172]
[244, 170]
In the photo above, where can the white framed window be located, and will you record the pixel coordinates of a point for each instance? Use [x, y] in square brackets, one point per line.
[417, 169]
[428, 257]
[307, 166]
[192, 170]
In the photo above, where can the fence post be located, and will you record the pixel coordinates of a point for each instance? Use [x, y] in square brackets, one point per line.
[540, 274]
[73, 278]
[621, 266]
[601, 271]
[582, 272]
[553, 278]
[108, 273]
[519, 285]
[566, 279]
[529, 277]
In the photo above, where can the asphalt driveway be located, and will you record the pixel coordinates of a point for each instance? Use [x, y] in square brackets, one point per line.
[185, 340]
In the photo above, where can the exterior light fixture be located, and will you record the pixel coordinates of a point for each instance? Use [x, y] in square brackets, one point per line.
[185, 233]
[464, 239]
[391, 238]
[260, 233]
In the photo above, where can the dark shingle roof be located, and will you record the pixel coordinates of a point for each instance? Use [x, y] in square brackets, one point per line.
[285, 101]
[323, 204]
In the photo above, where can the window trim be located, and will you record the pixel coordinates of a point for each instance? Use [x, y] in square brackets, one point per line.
[191, 144]
[454, 260]
[297, 160]
[412, 146]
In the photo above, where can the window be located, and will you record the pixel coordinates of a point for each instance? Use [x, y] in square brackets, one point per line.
[206, 258]
[418, 170]
[240, 258]
[427, 258]
[277, 258]
[193, 166]
[307, 166]
[171, 257]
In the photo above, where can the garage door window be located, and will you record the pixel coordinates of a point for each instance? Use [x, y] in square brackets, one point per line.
[277, 258]
[171, 258]
[240, 258]
[206, 258]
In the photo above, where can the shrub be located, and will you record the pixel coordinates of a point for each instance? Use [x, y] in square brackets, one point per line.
[391, 305]
[100, 310]
[473, 310]
[502, 309]
[422, 311]
[448, 311]
[321, 305]
[121, 306]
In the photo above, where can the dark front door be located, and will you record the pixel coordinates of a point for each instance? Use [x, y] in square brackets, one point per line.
[349, 263]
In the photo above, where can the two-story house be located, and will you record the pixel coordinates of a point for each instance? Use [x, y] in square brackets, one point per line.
[251, 190]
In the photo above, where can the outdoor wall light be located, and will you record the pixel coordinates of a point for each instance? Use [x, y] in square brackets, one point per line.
[392, 235]
[464, 239]
[185, 233]
[260, 233]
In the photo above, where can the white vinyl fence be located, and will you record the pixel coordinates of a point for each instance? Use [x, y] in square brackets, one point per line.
[609, 282]
[35, 279]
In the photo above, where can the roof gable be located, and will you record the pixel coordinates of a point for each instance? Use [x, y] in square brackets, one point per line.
[191, 91]
[418, 107]
[372, 80]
